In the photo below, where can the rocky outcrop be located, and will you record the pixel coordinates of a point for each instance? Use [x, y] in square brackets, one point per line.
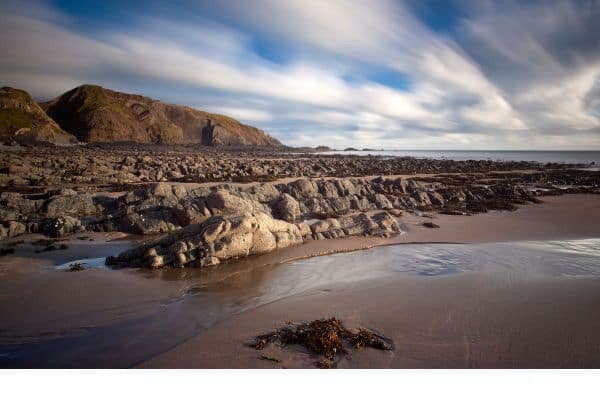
[216, 239]
[288, 208]
[207, 224]
[221, 238]
[23, 121]
[380, 224]
[54, 213]
[161, 208]
[120, 163]
[96, 114]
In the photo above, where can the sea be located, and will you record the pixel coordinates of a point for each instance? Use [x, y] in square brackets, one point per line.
[541, 156]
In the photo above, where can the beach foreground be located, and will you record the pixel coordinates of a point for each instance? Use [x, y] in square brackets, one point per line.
[484, 315]
[476, 320]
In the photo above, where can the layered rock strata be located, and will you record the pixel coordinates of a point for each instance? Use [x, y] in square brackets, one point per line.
[162, 207]
[222, 238]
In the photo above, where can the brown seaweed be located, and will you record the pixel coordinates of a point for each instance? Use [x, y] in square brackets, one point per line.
[325, 337]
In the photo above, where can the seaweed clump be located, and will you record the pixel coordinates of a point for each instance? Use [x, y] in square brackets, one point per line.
[326, 337]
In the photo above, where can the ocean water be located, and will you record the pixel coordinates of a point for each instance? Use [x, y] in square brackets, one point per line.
[568, 157]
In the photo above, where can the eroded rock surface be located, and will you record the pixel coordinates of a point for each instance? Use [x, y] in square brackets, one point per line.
[165, 207]
[222, 238]
[134, 163]
[153, 192]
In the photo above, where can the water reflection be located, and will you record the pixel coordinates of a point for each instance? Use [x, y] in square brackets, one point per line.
[246, 285]
[212, 295]
[98, 262]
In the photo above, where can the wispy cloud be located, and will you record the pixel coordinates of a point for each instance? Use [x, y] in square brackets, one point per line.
[507, 73]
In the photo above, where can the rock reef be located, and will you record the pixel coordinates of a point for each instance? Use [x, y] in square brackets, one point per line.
[222, 238]
[134, 163]
[291, 199]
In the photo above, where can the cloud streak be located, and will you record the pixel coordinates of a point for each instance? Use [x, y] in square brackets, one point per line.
[505, 75]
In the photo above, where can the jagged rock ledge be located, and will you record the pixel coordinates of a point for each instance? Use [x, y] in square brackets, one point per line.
[162, 207]
[222, 238]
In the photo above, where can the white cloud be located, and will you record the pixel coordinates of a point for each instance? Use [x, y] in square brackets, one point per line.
[546, 56]
[384, 33]
[242, 114]
[456, 96]
[563, 102]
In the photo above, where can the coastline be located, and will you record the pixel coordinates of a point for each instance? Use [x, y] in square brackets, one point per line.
[570, 216]
[274, 185]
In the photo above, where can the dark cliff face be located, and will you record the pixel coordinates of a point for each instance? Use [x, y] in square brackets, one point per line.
[95, 114]
[22, 120]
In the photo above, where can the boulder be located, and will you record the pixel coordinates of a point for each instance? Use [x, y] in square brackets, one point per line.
[223, 202]
[150, 221]
[288, 208]
[303, 189]
[264, 193]
[71, 204]
[327, 189]
[436, 199]
[382, 202]
[161, 189]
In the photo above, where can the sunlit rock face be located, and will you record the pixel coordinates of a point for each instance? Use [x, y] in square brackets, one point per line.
[222, 238]
[218, 238]
[95, 114]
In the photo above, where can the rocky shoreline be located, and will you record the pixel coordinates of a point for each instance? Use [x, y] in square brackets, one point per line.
[133, 163]
[206, 223]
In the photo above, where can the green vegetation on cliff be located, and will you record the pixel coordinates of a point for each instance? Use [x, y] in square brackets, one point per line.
[23, 120]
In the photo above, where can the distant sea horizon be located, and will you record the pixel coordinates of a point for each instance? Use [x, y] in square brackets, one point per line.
[540, 156]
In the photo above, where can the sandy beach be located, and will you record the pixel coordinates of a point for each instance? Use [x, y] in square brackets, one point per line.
[472, 321]
[479, 320]
[483, 318]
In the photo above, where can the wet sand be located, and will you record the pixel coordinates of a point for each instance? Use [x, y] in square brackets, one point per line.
[38, 300]
[467, 320]
[460, 321]
[474, 320]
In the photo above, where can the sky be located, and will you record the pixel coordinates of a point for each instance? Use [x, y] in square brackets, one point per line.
[473, 74]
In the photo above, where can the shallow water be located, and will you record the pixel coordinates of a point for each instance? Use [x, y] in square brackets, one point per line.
[569, 157]
[211, 297]
[98, 262]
